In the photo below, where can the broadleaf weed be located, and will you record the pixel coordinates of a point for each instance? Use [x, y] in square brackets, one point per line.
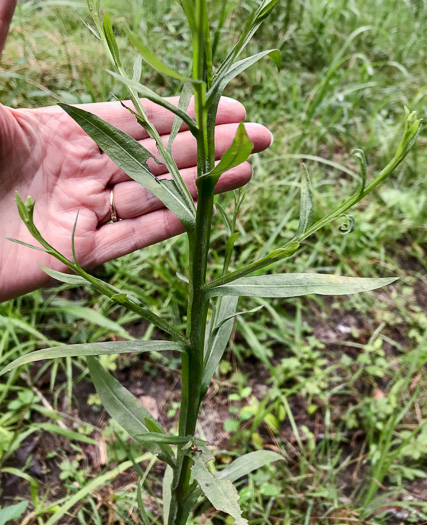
[212, 298]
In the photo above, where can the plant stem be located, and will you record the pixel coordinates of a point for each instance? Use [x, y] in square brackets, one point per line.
[192, 363]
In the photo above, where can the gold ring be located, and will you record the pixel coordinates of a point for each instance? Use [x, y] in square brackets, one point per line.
[113, 212]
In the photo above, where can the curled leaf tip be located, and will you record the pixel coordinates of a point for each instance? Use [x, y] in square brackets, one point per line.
[348, 226]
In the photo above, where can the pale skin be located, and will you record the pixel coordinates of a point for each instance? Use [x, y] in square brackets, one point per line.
[46, 155]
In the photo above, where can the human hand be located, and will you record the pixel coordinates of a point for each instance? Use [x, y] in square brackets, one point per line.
[44, 154]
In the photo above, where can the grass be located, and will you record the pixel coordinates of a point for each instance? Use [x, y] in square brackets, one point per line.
[337, 385]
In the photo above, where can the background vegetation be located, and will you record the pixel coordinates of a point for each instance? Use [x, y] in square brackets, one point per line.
[337, 385]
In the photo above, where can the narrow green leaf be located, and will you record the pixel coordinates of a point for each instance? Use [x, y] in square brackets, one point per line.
[155, 437]
[265, 11]
[154, 97]
[91, 29]
[73, 234]
[188, 7]
[243, 465]
[306, 206]
[131, 157]
[229, 251]
[167, 492]
[225, 218]
[237, 153]
[22, 243]
[124, 407]
[298, 284]
[111, 39]
[142, 120]
[141, 504]
[184, 101]
[223, 79]
[95, 349]
[359, 154]
[137, 68]
[64, 277]
[152, 59]
[217, 339]
[220, 492]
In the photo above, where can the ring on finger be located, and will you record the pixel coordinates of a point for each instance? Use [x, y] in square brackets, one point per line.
[113, 211]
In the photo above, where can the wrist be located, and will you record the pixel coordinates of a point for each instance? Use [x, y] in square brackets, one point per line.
[7, 8]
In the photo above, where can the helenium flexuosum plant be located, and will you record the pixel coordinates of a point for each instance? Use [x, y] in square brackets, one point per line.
[212, 304]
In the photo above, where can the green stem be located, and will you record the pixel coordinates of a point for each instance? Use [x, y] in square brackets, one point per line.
[192, 363]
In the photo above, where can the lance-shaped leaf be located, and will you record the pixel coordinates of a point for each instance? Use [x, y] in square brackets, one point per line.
[125, 408]
[298, 284]
[184, 101]
[247, 463]
[219, 335]
[95, 349]
[152, 59]
[131, 157]
[306, 206]
[156, 437]
[237, 153]
[223, 79]
[217, 338]
[220, 492]
[167, 492]
[111, 39]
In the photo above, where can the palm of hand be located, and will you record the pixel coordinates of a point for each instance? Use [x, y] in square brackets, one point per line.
[46, 155]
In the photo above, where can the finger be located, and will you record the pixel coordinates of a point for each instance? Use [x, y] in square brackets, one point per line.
[117, 239]
[132, 200]
[229, 110]
[184, 149]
